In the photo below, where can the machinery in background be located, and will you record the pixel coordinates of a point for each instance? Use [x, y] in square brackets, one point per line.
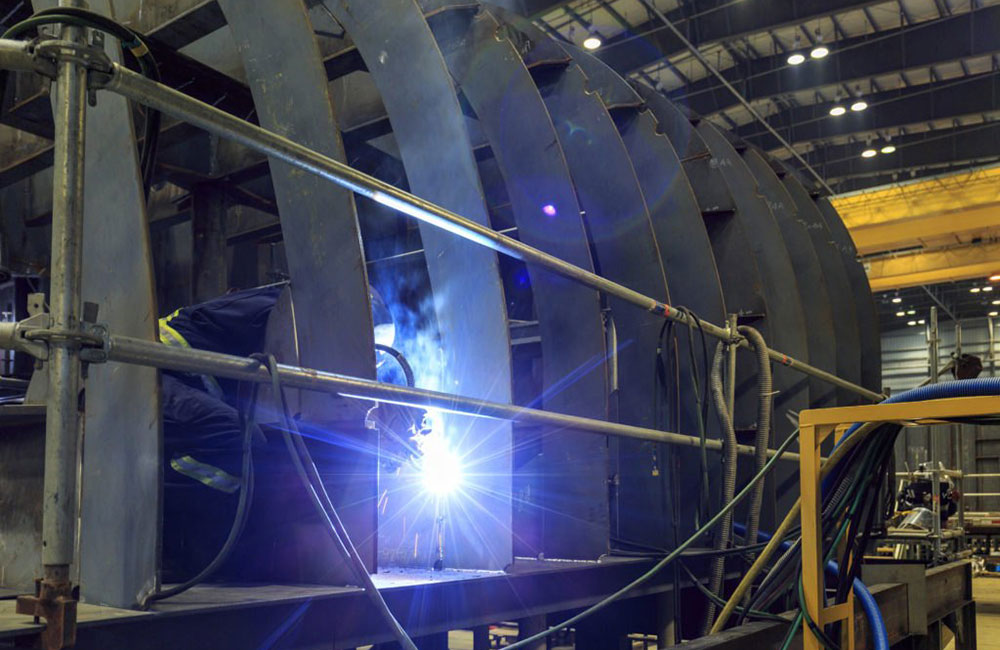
[928, 524]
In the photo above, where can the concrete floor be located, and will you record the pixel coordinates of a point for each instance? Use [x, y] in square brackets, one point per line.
[987, 594]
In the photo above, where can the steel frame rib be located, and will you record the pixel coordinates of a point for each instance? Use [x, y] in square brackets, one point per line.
[202, 115]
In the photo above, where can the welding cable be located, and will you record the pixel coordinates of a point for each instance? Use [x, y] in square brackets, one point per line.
[722, 535]
[659, 566]
[701, 397]
[765, 388]
[766, 616]
[404, 365]
[132, 42]
[781, 533]
[239, 519]
[313, 484]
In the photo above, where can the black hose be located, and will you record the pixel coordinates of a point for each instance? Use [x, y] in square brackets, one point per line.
[239, 520]
[411, 380]
[313, 483]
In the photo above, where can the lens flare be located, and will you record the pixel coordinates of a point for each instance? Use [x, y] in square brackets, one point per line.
[440, 467]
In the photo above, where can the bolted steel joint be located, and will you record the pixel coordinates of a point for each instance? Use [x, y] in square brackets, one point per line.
[49, 53]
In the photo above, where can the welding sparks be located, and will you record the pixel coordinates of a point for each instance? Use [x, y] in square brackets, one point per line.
[440, 467]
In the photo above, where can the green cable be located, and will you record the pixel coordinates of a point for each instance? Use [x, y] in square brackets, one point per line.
[646, 577]
[753, 613]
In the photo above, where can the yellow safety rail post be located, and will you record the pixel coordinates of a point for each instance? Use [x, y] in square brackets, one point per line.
[814, 427]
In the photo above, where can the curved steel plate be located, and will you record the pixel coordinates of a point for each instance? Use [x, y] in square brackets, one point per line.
[820, 333]
[685, 251]
[119, 546]
[784, 324]
[871, 342]
[409, 70]
[565, 509]
[626, 252]
[712, 194]
[320, 230]
[841, 295]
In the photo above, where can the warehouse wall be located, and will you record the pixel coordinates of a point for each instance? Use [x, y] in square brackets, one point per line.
[974, 449]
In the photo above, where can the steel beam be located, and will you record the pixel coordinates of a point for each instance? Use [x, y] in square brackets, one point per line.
[177, 104]
[888, 111]
[961, 224]
[319, 222]
[562, 517]
[686, 254]
[931, 149]
[430, 129]
[629, 52]
[948, 264]
[851, 60]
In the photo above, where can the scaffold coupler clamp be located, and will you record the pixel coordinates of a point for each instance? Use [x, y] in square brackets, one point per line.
[55, 601]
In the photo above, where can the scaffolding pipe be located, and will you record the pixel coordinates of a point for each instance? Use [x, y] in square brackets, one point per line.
[126, 349]
[182, 107]
[62, 418]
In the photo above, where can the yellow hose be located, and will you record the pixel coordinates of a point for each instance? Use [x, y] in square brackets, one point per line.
[786, 525]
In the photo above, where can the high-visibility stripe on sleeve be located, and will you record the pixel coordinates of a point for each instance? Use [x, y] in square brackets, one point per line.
[209, 475]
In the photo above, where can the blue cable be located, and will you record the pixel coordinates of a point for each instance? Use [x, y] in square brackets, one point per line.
[879, 633]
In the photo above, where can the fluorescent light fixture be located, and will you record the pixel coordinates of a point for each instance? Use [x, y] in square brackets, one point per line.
[796, 59]
[996, 302]
[819, 52]
[974, 290]
[897, 300]
[993, 314]
[859, 106]
[889, 148]
[869, 153]
[911, 323]
[921, 321]
[988, 288]
[592, 42]
[837, 110]
[911, 312]
[995, 277]
[900, 313]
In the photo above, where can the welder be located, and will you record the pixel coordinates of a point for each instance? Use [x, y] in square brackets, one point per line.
[203, 425]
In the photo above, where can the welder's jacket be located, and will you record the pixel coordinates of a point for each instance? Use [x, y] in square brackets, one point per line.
[202, 432]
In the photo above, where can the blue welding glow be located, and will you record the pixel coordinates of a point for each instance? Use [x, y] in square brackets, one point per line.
[439, 465]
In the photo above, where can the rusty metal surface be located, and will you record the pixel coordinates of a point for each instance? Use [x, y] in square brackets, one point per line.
[430, 131]
[563, 510]
[318, 222]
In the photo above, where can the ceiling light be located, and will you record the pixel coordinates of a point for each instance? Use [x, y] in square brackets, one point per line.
[592, 42]
[819, 52]
[837, 110]
[900, 313]
[869, 153]
[995, 277]
[993, 314]
[921, 321]
[796, 58]
[996, 302]
[988, 288]
[889, 148]
[897, 300]
[974, 290]
[859, 106]
[912, 312]
[911, 323]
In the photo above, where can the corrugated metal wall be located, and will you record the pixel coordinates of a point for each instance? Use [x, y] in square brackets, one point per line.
[974, 449]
